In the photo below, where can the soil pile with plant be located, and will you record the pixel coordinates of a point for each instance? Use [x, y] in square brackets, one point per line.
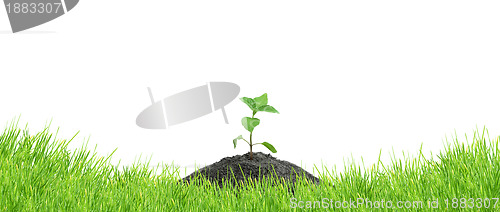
[256, 166]
[239, 168]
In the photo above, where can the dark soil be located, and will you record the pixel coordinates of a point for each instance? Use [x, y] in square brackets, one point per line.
[262, 165]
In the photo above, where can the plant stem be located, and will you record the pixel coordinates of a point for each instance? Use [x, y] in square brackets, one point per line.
[251, 153]
[246, 141]
[251, 145]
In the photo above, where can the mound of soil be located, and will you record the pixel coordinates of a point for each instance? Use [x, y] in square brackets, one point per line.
[262, 165]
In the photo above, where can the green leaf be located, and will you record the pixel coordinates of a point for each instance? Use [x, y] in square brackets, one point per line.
[267, 108]
[269, 146]
[236, 140]
[261, 100]
[250, 102]
[250, 123]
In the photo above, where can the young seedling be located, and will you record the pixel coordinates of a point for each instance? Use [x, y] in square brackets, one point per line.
[256, 104]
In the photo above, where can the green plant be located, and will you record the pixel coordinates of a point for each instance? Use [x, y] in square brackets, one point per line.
[256, 104]
[41, 173]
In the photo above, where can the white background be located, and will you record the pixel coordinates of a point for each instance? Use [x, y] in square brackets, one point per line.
[349, 78]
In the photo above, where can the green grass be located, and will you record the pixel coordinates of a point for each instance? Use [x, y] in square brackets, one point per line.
[39, 173]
